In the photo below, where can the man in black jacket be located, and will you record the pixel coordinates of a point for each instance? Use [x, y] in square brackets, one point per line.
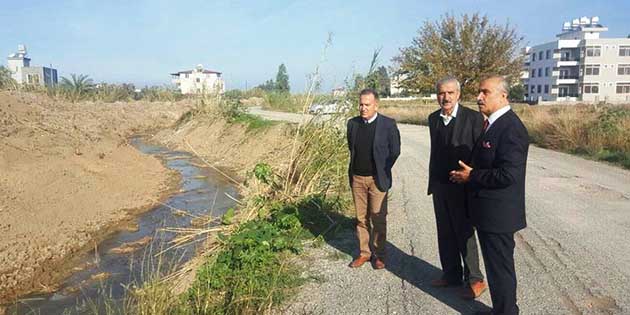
[496, 182]
[374, 144]
[454, 130]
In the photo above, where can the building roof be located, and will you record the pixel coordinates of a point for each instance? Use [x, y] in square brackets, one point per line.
[17, 57]
[191, 71]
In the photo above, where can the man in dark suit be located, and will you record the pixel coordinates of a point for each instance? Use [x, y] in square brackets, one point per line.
[496, 182]
[374, 143]
[454, 130]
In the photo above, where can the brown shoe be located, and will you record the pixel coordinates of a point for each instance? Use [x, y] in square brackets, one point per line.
[475, 290]
[359, 261]
[379, 263]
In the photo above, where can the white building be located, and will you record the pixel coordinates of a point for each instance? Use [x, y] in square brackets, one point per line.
[394, 84]
[23, 73]
[198, 81]
[579, 66]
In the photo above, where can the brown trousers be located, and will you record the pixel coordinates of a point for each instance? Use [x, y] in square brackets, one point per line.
[371, 209]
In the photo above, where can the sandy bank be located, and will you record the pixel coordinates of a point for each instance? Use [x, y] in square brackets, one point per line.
[67, 174]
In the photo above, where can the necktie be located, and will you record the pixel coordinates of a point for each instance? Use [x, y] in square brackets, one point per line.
[486, 123]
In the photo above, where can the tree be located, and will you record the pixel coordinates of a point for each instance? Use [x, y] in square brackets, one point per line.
[268, 86]
[379, 81]
[282, 79]
[517, 93]
[78, 87]
[468, 48]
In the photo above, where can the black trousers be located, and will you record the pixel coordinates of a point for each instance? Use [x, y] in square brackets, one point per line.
[456, 237]
[498, 256]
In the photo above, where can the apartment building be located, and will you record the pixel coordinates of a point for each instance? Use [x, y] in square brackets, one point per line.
[579, 66]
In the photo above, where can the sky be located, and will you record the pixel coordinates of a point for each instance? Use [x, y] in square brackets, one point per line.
[142, 42]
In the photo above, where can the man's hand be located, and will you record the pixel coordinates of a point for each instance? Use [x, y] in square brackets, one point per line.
[462, 175]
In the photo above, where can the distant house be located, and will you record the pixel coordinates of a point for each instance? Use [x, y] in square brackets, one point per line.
[23, 73]
[198, 81]
[395, 87]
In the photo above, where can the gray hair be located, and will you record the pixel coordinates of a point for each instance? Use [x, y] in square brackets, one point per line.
[503, 84]
[448, 79]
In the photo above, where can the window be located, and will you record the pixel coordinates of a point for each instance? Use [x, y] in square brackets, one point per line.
[547, 71]
[623, 88]
[33, 78]
[186, 76]
[566, 56]
[548, 54]
[546, 88]
[197, 80]
[539, 88]
[533, 56]
[533, 89]
[533, 73]
[591, 88]
[624, 51]
[539, 72]
[594, 51]
[591, 70]
[623, 69]
[540, 55]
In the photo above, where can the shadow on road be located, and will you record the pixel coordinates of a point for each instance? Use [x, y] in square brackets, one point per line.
[412, 270]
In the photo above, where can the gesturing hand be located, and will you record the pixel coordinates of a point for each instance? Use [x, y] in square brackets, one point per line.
[462, 175]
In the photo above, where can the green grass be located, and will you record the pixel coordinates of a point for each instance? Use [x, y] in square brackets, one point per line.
[252, 122]
[254, 270]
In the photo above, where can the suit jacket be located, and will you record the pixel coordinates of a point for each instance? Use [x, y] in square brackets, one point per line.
[497, 182]
[386, 148]
[466, 133]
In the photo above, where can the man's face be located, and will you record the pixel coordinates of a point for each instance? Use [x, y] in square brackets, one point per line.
[448, 95]
[367, 106]
[490, 97]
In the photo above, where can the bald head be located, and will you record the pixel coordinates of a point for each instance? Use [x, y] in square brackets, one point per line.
[493, 94]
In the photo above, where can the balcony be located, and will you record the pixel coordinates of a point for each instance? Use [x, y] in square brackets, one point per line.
[567, 81]
[570, 58]
[568, 63]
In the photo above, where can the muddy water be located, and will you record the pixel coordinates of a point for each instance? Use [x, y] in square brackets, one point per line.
[128, 257]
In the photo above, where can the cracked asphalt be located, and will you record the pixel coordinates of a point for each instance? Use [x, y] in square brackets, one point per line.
[573, 258]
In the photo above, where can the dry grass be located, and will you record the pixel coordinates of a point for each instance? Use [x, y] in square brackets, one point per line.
[416, 115]
[597, 131]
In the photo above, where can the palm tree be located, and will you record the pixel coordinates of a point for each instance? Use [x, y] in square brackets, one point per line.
[77, 88]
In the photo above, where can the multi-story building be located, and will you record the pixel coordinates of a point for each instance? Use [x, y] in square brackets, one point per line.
[198, 81]
[23, 73]
[579, 66]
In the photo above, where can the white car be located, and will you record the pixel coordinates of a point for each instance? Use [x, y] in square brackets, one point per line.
[329, 108]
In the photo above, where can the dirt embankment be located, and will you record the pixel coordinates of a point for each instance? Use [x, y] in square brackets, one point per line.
[67, 174]
[230, 146]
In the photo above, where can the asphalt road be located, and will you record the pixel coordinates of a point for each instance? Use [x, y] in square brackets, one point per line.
[573, 258]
